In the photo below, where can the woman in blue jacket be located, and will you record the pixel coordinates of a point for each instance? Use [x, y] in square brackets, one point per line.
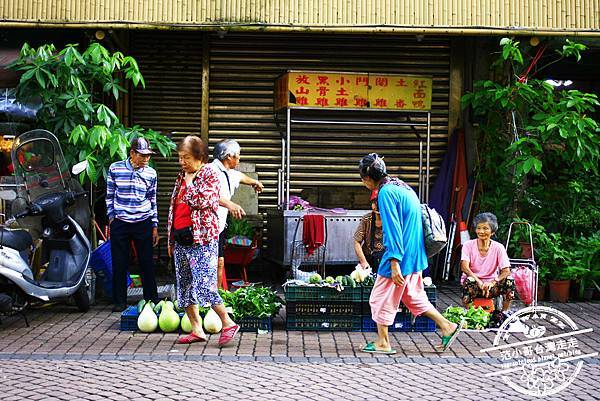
[399, 277]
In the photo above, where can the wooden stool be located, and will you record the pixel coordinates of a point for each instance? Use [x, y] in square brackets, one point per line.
[486, 303]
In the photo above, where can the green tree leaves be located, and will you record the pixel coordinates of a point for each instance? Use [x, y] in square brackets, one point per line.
[74, 87]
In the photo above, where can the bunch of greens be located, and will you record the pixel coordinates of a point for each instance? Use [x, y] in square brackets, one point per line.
[256, 302]
[476, 318]
[241, 227]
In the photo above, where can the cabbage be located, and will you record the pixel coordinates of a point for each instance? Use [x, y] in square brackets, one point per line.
[212, 322]
[147, 321]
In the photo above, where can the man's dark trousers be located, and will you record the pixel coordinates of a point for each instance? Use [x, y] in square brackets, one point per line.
[121, 235]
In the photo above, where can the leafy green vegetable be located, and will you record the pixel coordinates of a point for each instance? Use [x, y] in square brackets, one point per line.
[476, 318]
[258, 302]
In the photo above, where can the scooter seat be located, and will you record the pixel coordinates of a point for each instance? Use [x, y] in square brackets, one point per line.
[17, 239]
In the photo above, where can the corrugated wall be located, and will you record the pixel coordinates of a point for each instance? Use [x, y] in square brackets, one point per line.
[243, 68]
[371, 15]
[171, 64]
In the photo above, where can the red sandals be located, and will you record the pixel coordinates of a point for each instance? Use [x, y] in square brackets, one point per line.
[228, 334]
[191, 338]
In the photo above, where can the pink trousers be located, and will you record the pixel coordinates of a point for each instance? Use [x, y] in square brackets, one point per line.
[386, 296]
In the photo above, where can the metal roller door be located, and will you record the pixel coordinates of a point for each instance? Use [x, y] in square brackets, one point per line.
[171, 64]
[243, 68]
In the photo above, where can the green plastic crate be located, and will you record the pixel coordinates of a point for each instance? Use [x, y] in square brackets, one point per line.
[294, 293]
[323, 323]
[319, 308]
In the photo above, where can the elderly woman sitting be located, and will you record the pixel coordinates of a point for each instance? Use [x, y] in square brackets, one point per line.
[485, 265]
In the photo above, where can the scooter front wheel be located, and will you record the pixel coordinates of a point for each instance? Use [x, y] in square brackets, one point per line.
[82, 299]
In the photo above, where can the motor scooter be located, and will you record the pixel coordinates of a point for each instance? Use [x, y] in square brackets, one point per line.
[44, 185]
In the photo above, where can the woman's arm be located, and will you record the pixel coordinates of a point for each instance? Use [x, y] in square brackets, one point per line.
[465, 267]
[360, 254]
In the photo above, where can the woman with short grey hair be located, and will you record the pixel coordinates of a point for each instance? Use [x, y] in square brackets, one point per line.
[485, 265]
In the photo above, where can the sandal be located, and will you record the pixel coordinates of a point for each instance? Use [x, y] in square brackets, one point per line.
[191, 338]
[228, 334]
[371, 348]
[448, 340]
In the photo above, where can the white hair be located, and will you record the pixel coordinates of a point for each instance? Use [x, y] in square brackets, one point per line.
[226, 148]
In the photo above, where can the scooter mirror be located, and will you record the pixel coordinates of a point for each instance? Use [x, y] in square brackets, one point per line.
[8, 195]
[79, 167]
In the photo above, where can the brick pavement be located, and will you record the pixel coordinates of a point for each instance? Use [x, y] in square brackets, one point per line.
[88, 355]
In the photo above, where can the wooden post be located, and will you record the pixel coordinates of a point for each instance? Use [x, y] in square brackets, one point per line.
[205, 86]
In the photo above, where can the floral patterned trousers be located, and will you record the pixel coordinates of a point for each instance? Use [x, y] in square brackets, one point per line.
[471, 290]
[196, 273]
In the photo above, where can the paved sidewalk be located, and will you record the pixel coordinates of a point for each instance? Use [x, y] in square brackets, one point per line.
[61, 332]
[69, 355]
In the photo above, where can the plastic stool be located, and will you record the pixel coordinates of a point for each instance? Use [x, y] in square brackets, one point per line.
[486, 303]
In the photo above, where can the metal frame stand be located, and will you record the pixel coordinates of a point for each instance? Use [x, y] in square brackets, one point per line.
[284, 177]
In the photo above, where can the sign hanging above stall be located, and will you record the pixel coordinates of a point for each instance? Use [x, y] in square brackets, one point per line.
[350, 90]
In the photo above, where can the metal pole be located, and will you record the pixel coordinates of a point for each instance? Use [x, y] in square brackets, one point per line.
[427, 155]
[421, 171]
[288, 156]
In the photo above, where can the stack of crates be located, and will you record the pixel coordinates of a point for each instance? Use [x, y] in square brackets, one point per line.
[323, 308]
[404, 321]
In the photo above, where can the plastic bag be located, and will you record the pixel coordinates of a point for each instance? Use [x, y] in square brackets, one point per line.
[523, 282]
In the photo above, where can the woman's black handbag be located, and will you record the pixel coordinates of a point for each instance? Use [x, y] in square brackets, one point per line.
[184, 236]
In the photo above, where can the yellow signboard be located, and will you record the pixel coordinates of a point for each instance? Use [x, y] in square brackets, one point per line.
[346, 90]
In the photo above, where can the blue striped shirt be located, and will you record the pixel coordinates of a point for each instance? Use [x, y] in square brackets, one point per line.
[130, 193]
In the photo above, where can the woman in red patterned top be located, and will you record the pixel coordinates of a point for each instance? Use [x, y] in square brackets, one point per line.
[193, 232]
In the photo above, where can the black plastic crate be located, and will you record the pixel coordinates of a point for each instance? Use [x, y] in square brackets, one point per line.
[129, 319]
[402, 323]
[366, 308]
[294, 293]
[323, 323]
[431, 292]
[366, 292]
[424, 324]
[250, 324]
[331, 308]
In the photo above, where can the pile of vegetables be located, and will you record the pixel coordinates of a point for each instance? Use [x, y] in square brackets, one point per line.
[475, 318]
[255, 302]
[357, 277]
[169, 317]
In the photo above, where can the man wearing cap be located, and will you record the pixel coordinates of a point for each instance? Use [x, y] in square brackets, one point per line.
[132, 214]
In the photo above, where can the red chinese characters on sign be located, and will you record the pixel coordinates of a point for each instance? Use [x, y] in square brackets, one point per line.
[302, 100]
[362, 80]
[303, 79]
[419, 89]
[341, 102]
[400, 103]
[361, 102]
[322, 101]
[381, 103]
[355, 90]
[341, 81]
[322, 80]
[379, 81]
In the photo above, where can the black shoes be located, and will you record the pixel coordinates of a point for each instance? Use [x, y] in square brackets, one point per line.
[119, 307]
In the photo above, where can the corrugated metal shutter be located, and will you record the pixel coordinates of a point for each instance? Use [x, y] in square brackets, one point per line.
[171, 64]
[243, 68]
